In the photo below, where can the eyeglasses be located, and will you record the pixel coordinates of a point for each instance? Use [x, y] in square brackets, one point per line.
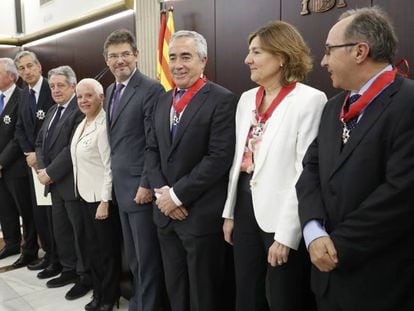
[123, 55]
[328, 47]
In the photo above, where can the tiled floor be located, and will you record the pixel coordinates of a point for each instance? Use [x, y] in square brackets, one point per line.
[21, 290]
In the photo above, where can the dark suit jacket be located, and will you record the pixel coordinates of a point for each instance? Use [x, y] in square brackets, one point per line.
[196, 164]
[28, 125]
[56, 159]
[11, 156]
[364, 195]
[127, 131]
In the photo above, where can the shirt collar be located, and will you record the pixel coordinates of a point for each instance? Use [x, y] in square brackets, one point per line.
[366, 86]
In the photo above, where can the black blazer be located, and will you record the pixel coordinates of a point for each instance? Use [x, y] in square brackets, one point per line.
[56, 158]
[196, 164]
[364, 195]
[28, 125]
[11, 156]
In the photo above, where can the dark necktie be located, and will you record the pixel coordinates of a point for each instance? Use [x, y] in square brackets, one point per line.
[116, 98]
[2, 102]
[176, 115]
[351, 124]
[52, 126]
[32, 102]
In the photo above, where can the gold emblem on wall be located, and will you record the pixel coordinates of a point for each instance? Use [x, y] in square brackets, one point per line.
[319, 6]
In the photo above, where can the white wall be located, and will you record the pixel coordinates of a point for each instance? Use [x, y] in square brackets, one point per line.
[8, 19]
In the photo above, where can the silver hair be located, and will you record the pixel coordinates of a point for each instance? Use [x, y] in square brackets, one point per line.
[21, 54]
[200, 41]
[96, 86]
[373, 26]
[63, 71]
[10, 67]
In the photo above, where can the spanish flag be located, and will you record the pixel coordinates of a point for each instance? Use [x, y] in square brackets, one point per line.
[166, 31]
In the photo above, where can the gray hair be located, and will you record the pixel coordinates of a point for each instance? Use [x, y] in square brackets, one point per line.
[21, 54]
[10, 67]
[200, 41]
[96, 86]
[373, 26]
[63, 71]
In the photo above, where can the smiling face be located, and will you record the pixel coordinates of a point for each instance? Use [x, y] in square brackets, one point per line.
[121, 60]
[29, 70]
[61, 90]
[89, 102]
[265, 68]
[185, 65]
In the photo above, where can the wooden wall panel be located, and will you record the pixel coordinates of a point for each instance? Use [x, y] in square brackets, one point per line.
[235, 20]
[8, 50]
[314, 29]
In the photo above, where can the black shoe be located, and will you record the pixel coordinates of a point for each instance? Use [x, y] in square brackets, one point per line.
[41, 264]
[93, 304]
[51, 270]
[23, 261]
[78, 290]
[64, 279]
[109, 306]
[9, 251]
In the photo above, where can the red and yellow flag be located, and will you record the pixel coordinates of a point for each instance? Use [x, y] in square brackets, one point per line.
[166, 31]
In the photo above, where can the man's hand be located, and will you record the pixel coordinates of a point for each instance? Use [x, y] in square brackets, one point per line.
[278, 254]
[164, 202]
[43, 177]
[180, 213]
[323, 254]
[228, 226]
[143, 196]
[31, 159]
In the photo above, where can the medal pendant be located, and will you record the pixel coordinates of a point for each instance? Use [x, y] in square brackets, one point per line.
[345, 134]
[176, 119]
[258, 130]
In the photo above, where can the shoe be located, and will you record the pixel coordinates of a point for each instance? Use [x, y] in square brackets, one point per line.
[109, 306]
[93, 304]
[23, 261]
[78, 290]
[51, 270]
[41, 264]
[64, 279]
[9, 251]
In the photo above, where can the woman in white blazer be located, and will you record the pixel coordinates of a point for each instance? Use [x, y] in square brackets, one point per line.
[275, 123]
[93, 183]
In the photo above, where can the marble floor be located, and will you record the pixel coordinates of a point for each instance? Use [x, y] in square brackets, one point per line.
[21, 290]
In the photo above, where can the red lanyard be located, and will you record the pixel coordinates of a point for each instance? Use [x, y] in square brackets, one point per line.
[262, 117]
[380, 84]
[185, 99]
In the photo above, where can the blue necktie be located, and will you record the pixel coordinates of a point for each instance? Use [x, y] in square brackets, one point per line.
[176, 116]
[116, 98]
[351, 124]
[2, 102]
[32, 102]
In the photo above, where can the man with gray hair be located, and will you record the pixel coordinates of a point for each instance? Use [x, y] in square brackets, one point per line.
[55, 171]
[14, 180]
[356, 191]
[36, 101]
[189, 153]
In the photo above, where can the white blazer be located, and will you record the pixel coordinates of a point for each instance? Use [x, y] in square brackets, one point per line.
[278, 163]
[90, 153]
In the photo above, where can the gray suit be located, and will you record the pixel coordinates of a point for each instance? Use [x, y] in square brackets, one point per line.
[127, 130]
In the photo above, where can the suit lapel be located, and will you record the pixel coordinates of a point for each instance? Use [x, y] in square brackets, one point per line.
[165, 116]
[62, 119]
[11, 104]
[369, 118]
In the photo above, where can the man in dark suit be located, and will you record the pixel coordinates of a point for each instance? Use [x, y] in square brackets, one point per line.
[128, 104]
[356, 192]
[14, 180]
[56, 173]
[189, 153]
[36, 101]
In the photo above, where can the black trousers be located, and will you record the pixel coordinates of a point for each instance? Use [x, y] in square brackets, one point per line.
[194, 269]
[259, 286]
[101, 246]
[15, 201]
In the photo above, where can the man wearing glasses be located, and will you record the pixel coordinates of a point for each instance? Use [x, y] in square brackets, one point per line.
[129, 103]
[356, 192]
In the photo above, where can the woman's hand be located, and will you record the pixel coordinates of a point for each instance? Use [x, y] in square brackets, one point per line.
[278, 254]
[102, 211]
[228, 230]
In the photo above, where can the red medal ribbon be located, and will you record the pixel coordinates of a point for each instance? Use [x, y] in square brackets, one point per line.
[185, 99]
[263, 117]
[380, 84]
